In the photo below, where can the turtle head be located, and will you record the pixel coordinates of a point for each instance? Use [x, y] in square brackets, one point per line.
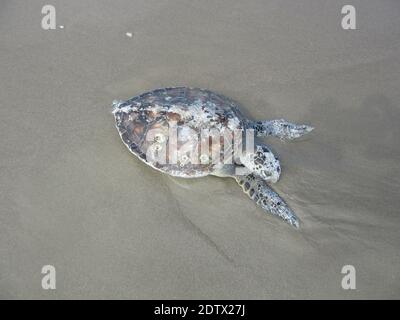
[271, 169]
[263, 163]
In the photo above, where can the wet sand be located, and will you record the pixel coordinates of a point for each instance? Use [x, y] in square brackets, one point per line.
[73, 196]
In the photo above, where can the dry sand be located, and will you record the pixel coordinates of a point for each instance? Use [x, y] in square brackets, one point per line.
[73, 196]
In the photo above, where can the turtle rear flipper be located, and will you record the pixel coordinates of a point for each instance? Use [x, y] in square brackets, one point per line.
[258, 190]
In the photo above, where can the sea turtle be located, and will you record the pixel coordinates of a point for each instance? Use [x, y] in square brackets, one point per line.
[171, 128]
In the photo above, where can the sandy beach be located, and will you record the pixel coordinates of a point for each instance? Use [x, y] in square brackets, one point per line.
[72, 196]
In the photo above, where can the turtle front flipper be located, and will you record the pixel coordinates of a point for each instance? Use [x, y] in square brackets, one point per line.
[280, 128]
[258, 190]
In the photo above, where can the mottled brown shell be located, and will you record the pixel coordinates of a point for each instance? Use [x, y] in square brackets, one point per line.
[145, 119]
